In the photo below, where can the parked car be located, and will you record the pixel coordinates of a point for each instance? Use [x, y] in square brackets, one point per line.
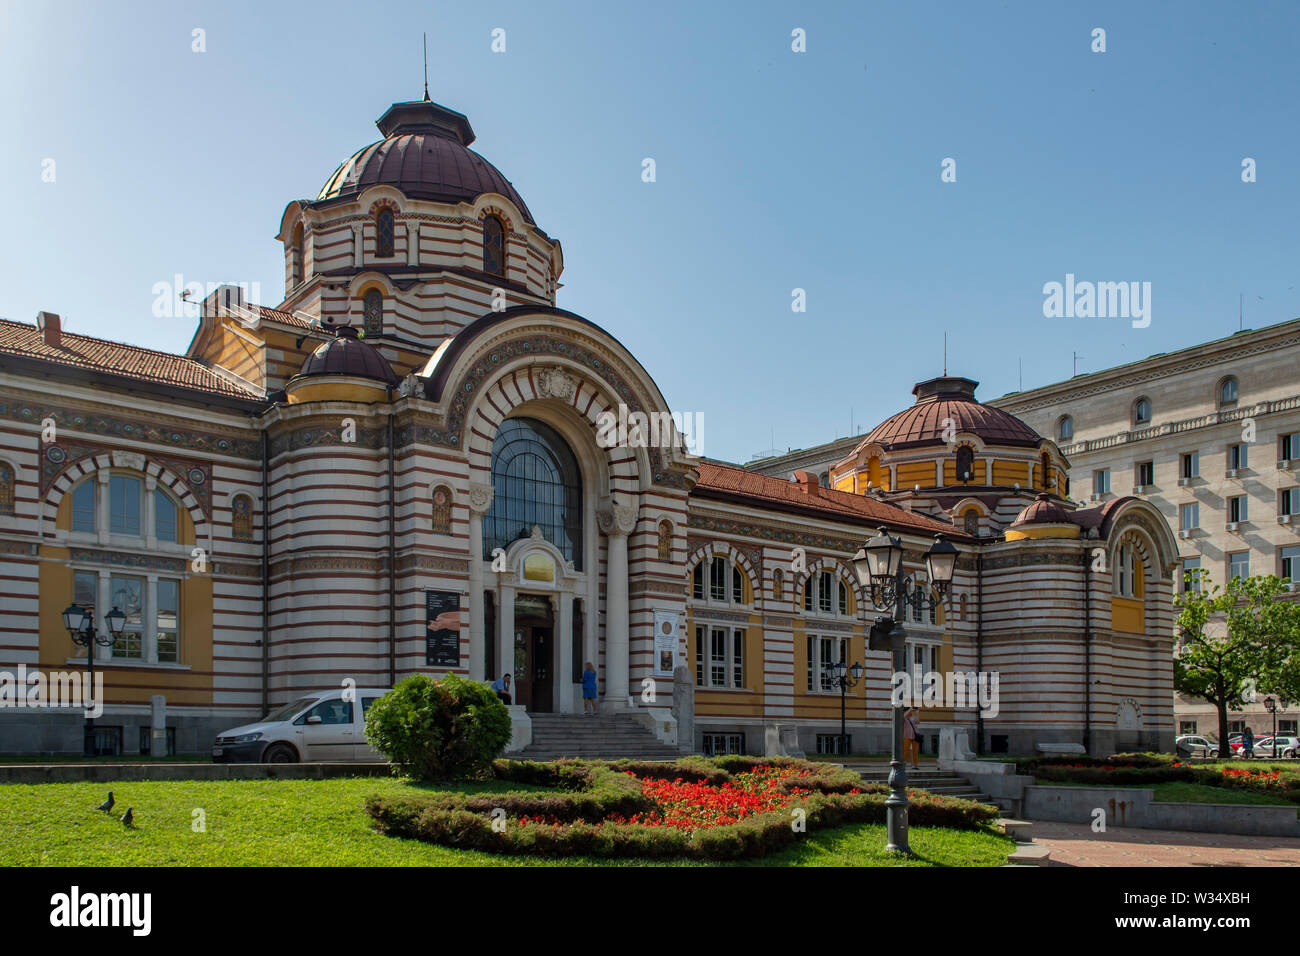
[1194, 746]
[1287, 747]
[320, 726]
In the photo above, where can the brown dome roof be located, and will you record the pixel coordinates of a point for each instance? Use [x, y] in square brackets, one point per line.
[347, 355]
[425, 154]
[1043, 510]
[950, 398]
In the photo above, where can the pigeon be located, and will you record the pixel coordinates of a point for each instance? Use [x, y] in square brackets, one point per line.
[107, 805]
[128, 816]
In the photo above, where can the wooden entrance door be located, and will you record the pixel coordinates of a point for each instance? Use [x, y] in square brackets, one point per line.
[534, 665]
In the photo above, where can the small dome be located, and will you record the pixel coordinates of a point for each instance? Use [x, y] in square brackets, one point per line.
[950, 398]
[1043, 511]
[347, 355]
[424, 153]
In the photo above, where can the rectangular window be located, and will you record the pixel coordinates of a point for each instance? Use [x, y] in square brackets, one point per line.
[738, 659]
[697, 582]
[83, 507]
[1189, 516]
[1187, 727]
[1237, 456]
[1287, 728]
[1287, 446]
[1289, 501]
[824, 583]
[699, 655]
[1239, 564]
[1101, 481]
[1191, 465]
[717, 745]
[812, 663]
[1290, 560]
[832, 744]
[718, 658]
[85, 588]
[127, 594]
[1237, 508]
[1146, 474]
[164, 525]
[108, 741]
[124, 505]
[828, 658]
[146, 734]
[718, 580]
[844, 597]
[737, 586]
[168, 618]
[1191, 580]
[1236, 726]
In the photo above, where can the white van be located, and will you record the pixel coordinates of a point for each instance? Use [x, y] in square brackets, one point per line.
[319, 726]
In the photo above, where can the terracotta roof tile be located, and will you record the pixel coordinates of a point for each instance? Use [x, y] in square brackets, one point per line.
[731, 480]
[100, 355]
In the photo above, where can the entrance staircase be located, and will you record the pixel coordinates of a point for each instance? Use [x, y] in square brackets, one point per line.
[602, 737]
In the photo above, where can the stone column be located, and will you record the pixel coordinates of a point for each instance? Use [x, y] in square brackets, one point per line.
[149, 518]
[564, 666]
[158, 726]
[150, 639]
[357, 247]
[412, 243]
[480, 500]
[506, 634]
[617, 522]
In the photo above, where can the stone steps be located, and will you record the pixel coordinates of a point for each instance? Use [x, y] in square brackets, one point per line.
[602, 737]
[1027, 851]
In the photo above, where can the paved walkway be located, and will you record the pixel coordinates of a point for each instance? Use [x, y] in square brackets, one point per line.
[1074, 844]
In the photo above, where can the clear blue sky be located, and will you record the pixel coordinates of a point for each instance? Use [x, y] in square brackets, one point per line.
[776, 171]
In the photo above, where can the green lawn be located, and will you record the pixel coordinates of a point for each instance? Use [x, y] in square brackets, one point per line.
[1177, 791]
[321, 823]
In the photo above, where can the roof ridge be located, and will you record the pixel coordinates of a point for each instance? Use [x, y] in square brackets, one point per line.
[64, 333]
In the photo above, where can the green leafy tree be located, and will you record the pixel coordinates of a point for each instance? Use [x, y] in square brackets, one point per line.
[1236, 642]
[439, 730]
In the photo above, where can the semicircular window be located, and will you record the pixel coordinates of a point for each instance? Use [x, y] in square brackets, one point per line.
[535, 482]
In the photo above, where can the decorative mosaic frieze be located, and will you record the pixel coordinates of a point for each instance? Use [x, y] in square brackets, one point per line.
[123, 559]
[232, 570]
[196, 474]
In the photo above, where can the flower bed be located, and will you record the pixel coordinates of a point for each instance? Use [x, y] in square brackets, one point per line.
[726, 808]
[1129, 770]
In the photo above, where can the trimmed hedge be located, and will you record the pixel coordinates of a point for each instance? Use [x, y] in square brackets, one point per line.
[590, 792]
[1139, 770]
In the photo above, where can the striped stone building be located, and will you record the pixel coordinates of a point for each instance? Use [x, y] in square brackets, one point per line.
[407, 466]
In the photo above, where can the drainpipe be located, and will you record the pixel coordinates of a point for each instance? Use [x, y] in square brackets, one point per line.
[392, 569]
[1087, 652]
[979, 646]
[266, 574]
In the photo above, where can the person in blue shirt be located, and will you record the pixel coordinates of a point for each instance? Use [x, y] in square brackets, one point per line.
[588, 689]
[502, 686]
[1247, 743]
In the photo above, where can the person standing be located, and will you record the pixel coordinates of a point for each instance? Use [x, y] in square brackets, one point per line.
[1247, 743]
[912, 738]
[588, 689]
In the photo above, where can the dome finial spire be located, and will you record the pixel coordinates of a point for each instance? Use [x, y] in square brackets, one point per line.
[426, 67]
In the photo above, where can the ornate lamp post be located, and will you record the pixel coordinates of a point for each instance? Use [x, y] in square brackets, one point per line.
[879, 565]
[845, 677]
[80, 623]
[1271, 704]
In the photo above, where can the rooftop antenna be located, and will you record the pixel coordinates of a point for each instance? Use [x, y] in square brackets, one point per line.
[1077, 356]
[945, 354]
[1022, 373]
[1241, 311]
[426, 67]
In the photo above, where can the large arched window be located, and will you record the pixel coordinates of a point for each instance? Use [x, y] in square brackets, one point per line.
[373, 310]
[385, 227]
[1065, 429]
[494, 246]
[1142, 411]
[1228, 391]
[536, 481]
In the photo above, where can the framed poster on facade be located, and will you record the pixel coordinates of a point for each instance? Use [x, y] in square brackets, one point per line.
[666, 643]
[442, 629]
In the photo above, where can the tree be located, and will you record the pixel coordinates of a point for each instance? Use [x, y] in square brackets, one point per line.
[1236, 643]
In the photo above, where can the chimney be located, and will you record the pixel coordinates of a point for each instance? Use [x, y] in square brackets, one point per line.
[807, 483]
[52, 332]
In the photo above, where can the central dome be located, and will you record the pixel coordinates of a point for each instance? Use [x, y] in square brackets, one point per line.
[425, 153]
[950, 398]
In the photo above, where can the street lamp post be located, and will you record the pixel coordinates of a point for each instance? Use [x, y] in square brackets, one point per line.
[80, 623]
[845, 681]
[879, 565]
[1270, 704]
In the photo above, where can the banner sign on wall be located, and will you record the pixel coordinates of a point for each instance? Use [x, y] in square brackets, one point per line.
[442, 634]
[666, 643]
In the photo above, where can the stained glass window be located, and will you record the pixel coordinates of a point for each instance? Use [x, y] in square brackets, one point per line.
[374, 311]
[778, 584]
[385, 226]
[6, 489]
[494, 246]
